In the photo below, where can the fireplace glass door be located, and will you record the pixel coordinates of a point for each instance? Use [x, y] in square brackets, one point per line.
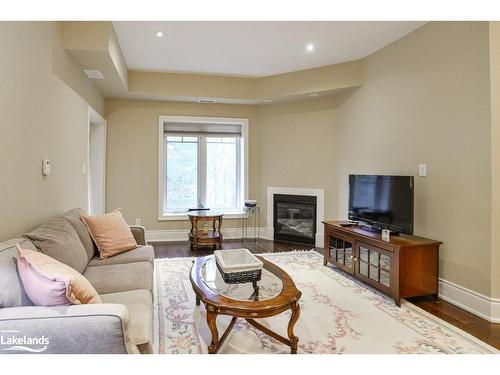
[295, 218]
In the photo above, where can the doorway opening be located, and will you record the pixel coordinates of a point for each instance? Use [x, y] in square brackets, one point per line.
[96, 164]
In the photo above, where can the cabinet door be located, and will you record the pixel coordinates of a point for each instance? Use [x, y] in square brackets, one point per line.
[374, 265]
[341, 252]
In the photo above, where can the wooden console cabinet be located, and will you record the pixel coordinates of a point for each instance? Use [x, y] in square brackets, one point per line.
[404, 266]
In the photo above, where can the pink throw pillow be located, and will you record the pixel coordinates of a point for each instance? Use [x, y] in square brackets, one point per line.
[48, 282]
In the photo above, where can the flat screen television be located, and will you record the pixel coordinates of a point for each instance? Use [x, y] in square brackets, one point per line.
[382, 202]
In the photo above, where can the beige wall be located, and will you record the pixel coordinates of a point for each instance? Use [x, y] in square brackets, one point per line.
[41, 117]
[494, 44]
[296, 148]
[132, 154]
[425, 99]
[290, 145]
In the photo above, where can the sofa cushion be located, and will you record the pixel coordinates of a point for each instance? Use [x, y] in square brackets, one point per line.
[48, 282]
[57, 239]
[73, 217]
[140, 254]
[12, 293]
[140, 308]
[110, 232]
[120, 277]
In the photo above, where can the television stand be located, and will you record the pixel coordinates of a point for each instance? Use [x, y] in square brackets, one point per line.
[401, 267]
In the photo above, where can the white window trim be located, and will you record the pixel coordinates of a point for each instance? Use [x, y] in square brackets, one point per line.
[161, 160]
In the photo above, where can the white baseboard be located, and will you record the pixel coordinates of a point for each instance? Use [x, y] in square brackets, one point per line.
[174, 235]
[476, 303]
[320, 240]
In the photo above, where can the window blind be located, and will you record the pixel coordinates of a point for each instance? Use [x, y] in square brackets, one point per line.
[195, 129]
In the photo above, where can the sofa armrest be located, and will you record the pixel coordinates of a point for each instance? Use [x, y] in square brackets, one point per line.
[139, 234]
[88, 329]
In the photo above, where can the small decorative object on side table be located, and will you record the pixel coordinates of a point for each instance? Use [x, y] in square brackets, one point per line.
[251, 219]
[205, 237]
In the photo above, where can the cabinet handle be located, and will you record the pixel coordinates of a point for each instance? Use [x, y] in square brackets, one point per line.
[352, 257]
[355, 259]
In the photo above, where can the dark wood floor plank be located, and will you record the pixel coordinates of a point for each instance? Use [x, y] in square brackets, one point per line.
[470, 323]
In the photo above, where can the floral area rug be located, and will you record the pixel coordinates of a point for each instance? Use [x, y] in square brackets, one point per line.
[338, 315]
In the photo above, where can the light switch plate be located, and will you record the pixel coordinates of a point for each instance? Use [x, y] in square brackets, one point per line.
[422, 170]
[138, 222]
[46, 167]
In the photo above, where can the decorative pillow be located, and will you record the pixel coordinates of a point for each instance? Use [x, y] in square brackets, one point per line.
[73, 217]
[48, 282]
[57, 239]
[111, 233]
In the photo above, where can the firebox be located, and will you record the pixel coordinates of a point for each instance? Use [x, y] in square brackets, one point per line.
[294, 218]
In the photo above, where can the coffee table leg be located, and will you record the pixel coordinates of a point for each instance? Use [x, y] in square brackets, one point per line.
[212, 324]
[294, 340]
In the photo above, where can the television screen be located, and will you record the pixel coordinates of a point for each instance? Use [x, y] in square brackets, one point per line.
[384, 202]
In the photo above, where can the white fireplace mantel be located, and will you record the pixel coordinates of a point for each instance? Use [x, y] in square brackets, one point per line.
[320, 208]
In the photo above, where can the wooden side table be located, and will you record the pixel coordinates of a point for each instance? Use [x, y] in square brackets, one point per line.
[200, 237]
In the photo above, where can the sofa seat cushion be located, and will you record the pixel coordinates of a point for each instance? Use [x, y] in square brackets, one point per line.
[140, 307]
[140, 254]
[58, 239]
[12, 293]
[120, 277]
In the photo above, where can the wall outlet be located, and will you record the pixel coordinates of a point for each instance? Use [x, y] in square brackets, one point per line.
[422, 170]
[138, 221]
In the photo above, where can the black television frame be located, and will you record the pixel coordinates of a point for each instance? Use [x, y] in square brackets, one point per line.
[378, 226]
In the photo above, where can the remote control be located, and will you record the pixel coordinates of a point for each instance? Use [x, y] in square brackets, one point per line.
[350, 224]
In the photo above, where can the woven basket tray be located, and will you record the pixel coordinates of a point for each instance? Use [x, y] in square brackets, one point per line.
[239, 277]
[238, 266]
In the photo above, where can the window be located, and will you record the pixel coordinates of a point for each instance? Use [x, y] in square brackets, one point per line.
[202, 164]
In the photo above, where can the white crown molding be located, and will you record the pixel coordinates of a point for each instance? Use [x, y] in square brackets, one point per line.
[476, 303]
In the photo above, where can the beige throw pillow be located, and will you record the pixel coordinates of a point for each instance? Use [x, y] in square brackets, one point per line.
[110, 232]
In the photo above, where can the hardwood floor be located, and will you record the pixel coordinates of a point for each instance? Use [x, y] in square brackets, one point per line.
[470, 323]
[181, 249]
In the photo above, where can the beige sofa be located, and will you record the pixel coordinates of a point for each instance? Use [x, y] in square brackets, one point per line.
[121, 324]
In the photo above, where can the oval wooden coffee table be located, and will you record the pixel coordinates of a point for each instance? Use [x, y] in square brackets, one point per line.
[273, 294]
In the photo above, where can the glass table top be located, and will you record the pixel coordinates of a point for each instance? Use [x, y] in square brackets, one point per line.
[268, 287]
[204, 213]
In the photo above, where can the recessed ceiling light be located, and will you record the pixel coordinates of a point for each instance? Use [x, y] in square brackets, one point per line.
[310, 47]
[314, 94]
[159, 34]
[268, 100]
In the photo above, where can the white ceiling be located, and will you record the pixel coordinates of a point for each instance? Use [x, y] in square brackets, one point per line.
[251, 48]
